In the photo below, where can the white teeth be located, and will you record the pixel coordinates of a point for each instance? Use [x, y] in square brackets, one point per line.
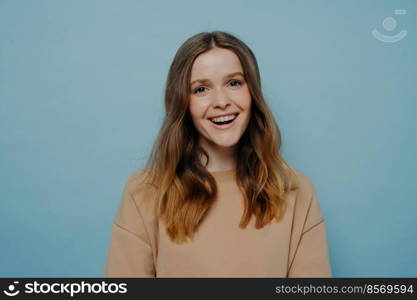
[224, 118]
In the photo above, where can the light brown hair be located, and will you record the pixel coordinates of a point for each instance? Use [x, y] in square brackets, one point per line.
[185, 189]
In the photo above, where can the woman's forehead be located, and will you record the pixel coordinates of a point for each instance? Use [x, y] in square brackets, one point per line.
[217, 62]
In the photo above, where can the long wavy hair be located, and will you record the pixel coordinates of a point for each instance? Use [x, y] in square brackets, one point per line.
[185, 189]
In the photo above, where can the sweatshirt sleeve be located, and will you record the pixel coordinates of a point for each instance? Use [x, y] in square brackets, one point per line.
[129, 253]
[312, 255]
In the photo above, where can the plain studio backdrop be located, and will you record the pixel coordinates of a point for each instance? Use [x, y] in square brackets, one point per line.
[81, 102]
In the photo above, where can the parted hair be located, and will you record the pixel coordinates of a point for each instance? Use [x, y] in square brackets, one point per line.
[185, 189]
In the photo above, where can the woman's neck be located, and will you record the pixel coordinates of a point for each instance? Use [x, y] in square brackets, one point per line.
[221, 158]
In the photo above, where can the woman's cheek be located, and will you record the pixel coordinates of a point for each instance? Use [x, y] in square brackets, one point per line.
[197, 109]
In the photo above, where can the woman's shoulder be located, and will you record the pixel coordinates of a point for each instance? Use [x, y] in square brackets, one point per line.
[303, 181]
[137, 206]
[307, 203]
[138, 177]
[139, 186]
[305, 191]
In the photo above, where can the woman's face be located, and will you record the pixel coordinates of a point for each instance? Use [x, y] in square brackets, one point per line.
[218, 89]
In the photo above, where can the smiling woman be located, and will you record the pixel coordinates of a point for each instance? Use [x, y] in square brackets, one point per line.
[220, 100]
[216, 198]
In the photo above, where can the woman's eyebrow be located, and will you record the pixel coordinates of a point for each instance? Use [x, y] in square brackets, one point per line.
[204, 80]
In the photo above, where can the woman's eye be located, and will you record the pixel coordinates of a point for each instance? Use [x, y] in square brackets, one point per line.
[235, 83]
[200, 89]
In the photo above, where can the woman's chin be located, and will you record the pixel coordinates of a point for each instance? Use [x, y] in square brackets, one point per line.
[224, 144]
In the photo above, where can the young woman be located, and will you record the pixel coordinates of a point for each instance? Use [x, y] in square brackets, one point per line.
[216, 199]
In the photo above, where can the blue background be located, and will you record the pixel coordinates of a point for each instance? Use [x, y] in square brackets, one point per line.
[81, 102]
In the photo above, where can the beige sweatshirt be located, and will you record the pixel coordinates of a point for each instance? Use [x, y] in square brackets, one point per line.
[294, 247]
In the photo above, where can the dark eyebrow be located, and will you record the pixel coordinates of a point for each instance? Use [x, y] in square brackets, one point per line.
[203, 80]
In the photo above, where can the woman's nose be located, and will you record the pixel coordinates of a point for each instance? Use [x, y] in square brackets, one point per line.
[220, 98]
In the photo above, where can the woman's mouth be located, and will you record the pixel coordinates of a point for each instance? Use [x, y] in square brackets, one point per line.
[224, 122]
